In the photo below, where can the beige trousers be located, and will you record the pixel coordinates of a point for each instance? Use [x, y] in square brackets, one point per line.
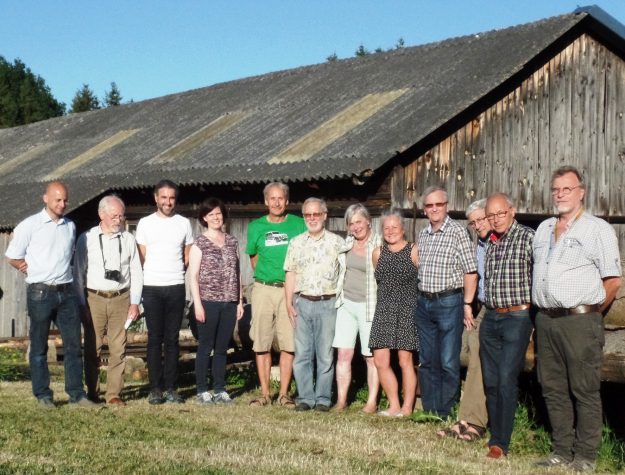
[473, 402]
[108, 316]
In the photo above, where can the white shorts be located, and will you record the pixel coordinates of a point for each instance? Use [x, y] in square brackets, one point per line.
[351, 320]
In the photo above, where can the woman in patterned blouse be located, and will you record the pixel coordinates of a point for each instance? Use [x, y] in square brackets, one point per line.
[215, 283]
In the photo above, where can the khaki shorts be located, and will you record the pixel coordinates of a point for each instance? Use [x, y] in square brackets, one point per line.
[270, 319]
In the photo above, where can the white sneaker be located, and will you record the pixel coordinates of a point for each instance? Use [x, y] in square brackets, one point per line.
[222, 398]
[205, 398]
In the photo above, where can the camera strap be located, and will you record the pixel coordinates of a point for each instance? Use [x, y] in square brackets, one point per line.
[119, 241]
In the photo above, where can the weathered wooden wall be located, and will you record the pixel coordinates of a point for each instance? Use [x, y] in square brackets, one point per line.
[13, 317]
[570, 111]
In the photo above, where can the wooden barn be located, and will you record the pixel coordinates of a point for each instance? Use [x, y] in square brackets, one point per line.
[492, 111]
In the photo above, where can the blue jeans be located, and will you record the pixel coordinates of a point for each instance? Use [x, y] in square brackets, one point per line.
[164, 306]
[214, 335]
[314, 332]
[503, 342]
[60, 306]
[440, 322]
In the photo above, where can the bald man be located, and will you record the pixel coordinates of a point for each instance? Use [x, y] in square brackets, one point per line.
[42, 248]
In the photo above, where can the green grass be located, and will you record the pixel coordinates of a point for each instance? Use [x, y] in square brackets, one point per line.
[189, 439]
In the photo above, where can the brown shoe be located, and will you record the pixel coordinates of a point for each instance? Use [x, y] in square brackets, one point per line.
[495, 452]
[116, 402]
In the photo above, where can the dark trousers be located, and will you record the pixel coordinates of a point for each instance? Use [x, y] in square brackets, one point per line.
[439, 323]
[214, 336]
[46, 305]
[503, 342]
[164, 306]
[570, 354]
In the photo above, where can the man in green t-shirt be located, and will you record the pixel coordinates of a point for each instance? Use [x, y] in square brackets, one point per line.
[267, 241]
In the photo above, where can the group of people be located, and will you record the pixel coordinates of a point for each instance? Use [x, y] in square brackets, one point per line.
[315, 291]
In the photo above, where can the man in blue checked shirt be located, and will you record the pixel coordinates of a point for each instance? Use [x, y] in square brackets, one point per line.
[506, 329]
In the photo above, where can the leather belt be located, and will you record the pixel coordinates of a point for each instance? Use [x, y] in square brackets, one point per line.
[108, 294]
[511, 308]
[317, 298]
[270, 284]
[440, 295]
[53, 287]
[563, 312]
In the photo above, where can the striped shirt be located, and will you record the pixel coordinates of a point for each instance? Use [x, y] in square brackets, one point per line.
[445, 256]
[569, 272]
[508, 276]
[219, 270]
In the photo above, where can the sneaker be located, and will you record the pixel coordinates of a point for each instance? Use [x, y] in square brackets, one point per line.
[222, 397]
[46, 403]
[554, 460]
[173, 397]
[83, 402]
[205, 398]
[322, 408]
[582, 465]
[155, 397]
[302, 406]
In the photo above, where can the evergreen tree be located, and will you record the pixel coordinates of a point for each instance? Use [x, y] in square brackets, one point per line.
[85, 100]
[24, 96]
[112, 97]
[332, 58]
[361, 51]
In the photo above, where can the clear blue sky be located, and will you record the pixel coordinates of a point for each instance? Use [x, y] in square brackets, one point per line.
[152, 48]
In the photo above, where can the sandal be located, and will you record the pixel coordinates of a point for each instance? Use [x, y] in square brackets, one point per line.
[472, 433]
[451, 432]
[285, 401]
[260, 401]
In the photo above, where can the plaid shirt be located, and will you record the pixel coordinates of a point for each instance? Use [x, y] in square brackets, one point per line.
[445, 256]
[508, 279]
[569, 272]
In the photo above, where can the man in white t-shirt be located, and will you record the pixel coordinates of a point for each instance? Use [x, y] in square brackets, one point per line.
[164, 240]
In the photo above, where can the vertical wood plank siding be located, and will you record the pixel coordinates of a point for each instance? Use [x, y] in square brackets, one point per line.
[13, 316]
[570, 111]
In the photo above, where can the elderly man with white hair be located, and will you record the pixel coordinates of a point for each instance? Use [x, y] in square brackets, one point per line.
[109, 280]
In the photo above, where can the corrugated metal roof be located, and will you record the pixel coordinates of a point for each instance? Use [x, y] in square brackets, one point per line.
[316, 122]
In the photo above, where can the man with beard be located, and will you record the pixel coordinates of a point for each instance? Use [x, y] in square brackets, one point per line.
[108, 278]
[312, 271]
[164, 240]
[577, 272]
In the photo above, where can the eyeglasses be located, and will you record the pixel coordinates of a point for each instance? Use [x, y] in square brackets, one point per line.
[563, 191]
[431, 205]
[477, 221]
[312, 215]
[498, 214]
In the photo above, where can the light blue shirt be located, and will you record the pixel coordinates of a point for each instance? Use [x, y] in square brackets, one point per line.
[481, 261]
[46, 246]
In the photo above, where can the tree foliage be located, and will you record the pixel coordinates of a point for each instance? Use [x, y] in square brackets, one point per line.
[113, 97]
[85, 100]
[24, 96]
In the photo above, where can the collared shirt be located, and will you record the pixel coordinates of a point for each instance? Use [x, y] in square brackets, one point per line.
[508, 277]
[445, 256]
[371, 285]
[569, 272]
[315, 262]
[47, 247]
[480, 252]
[89, 264]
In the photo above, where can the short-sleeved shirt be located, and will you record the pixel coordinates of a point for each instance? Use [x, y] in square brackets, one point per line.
[165, 240]
[445, 256]
[315, 262]
[569, 272]
[46, 246]
[269, 241]
[219, 270]
[508, 277]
